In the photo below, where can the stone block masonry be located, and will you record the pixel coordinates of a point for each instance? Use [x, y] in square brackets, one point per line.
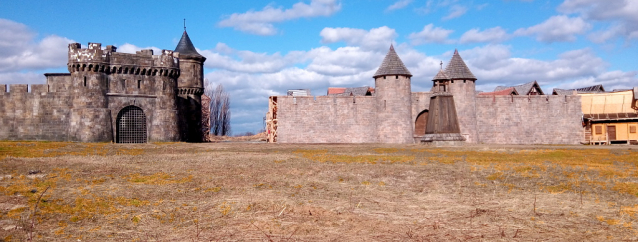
[35, 115]
[529, 119]
[327, 119]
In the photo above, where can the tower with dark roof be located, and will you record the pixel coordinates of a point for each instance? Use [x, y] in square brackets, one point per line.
[462, 86]
[442, 126]
[393, 98]
[190, 87]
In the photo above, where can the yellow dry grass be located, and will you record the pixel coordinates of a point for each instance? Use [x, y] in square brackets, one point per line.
[58, 191]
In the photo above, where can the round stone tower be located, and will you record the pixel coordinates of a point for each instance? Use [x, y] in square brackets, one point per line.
[394, 103]
[190, 87]
[90, 119]
[462, 86]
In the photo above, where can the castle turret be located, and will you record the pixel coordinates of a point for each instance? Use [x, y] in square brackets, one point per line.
[190, 85]
[393, 96]
[462, 87]
[90, 117]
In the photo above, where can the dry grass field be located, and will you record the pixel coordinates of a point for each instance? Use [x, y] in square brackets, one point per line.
[52, 191]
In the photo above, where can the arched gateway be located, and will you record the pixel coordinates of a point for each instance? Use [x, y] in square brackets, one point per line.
[131, 125]
[421, 122]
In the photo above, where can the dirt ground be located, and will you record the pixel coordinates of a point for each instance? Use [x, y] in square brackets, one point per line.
[278, 192]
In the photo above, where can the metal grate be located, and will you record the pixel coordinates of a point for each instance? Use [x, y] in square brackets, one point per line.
[131, 125]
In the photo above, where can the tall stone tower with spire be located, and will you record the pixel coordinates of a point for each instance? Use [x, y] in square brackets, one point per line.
[393, 100]
[462, 86]
[190, 87]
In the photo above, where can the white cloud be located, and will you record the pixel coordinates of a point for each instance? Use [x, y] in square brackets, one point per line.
[261, 22]
[227, 58]
[602, 10]
[399, 5]
[455, 11]
[22, 78]
[131, 49]
[19, 50]
[376, 39]
[344, 61]
[430, 34]
[14, 37]
[492, 35]
[610, 80]
[557, 29]
[493, 65]
[620, 15]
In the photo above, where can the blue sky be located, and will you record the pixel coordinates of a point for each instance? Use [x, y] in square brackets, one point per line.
[260, 48]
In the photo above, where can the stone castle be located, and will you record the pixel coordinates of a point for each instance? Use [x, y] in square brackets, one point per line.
[392, 113]
[111, 96]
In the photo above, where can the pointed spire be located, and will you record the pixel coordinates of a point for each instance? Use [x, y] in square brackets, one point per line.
[392, 65]
[441, 76]
[185, 46]
[457, 70]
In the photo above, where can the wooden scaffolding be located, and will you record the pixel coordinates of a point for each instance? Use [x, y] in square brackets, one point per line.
[271, 120]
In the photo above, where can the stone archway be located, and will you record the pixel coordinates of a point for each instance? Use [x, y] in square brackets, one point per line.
[131, 125]
[421, 122]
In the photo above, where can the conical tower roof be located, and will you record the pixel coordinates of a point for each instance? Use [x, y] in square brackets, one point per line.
[185, 46]
[392, 65]
[457, 70]
[441, 76]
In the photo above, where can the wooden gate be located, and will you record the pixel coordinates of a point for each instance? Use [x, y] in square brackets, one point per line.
[420, 123]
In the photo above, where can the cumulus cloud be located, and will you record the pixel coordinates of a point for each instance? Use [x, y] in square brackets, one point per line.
[611, 9]
[610, 80]
[130, 48]
[399, 5]
[619, 14]
[557, 29]
[19, 50]
[343, 61]
[376, 38]
[226, 58]
[492, 35]
[494, 65]
[455, 11]
[261, 22]
[431, 34]
[22, 78]
[14, 37]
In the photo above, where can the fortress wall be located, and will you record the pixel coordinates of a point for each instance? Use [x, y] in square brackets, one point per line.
[420, 102]
[59, 83]
[553, 119]
[35, 115]
[464, 102]
[328, 119]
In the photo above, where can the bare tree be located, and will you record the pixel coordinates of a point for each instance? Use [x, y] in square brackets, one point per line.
[219, 107]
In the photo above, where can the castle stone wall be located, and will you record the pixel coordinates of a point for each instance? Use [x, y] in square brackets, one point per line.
[328, 119]
[420, 102]
[35, 115]
[529, 119]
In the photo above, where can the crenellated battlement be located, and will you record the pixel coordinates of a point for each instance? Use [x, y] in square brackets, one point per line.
[35, 89]
[109, 61]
